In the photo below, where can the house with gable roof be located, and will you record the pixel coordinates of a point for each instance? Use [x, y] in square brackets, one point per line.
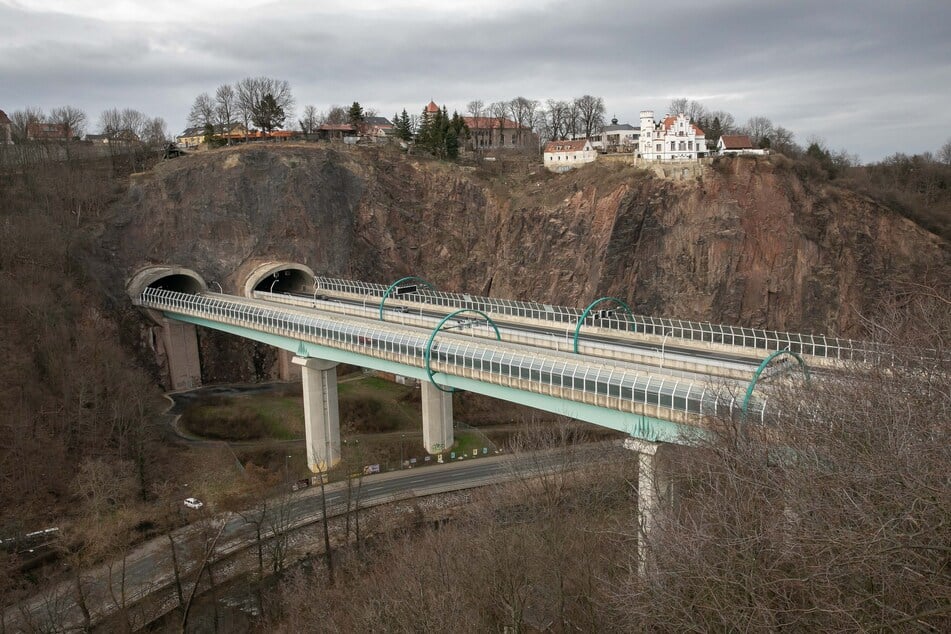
[737, 144]
[674, 138]
[561, 156]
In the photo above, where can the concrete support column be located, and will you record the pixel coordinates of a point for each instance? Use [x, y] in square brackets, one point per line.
[321, 413]
[180, 343]
[653, 492]
[437, 418]
[287, 370]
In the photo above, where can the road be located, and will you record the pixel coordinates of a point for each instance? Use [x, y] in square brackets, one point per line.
[148, 568]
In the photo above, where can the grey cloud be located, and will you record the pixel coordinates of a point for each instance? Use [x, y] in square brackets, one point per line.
[854, 72]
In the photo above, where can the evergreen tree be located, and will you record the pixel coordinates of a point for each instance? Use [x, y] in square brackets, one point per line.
[355, 115]
[404, 129]
[267, 114]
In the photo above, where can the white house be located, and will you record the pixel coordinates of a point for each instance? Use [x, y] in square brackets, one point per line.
[736, 144]
[561, 156]
[617, 137]
[673, 139]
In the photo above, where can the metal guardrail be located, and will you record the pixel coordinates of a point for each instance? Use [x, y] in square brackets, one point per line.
[765, 340]
[584, 379]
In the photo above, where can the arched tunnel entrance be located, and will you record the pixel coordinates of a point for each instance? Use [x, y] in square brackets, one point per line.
[175, 343]
[280, 277]
[172, 278]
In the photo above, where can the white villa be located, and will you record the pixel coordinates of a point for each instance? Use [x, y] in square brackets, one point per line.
[673, 139]
[561, 156]
[617, 137]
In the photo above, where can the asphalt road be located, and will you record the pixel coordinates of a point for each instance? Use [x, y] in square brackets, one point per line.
[148, 568]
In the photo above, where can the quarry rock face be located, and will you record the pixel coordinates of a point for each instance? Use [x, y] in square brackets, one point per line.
[750, 242]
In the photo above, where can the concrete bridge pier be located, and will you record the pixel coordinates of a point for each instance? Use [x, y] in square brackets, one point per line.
[437, 418]
[654, 492]
[321, 413]
[180, 344]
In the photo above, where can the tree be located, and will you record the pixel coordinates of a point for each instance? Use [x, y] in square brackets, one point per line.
[759, 129]
[226, 106]
[694, 110]
[21, 120]
[590, 114]
[403, 126]
[72, 119]
[475, 108]
[250, 92]
[355, 116]
[310, 121]
[337, 115]
[268, 114]
[203, 111]
[944, 154]
[523, 113]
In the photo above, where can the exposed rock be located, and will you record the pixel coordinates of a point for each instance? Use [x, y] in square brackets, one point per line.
[750, 242]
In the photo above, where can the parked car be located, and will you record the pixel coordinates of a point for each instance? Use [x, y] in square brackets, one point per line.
[193, 503]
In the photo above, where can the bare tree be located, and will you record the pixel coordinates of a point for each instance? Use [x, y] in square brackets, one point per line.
[523, 113]
[760, 130]
[71, 118]
[475, 108]
[202, 113]
[310, 120]
[226, 107]
[337, 115]
[944, 154]
[694, 110]
[250, 92]
[590, 114]
[499, 110]
[21, 120]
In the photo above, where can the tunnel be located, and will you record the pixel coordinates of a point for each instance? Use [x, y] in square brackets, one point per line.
[172, 278]
[280, 277]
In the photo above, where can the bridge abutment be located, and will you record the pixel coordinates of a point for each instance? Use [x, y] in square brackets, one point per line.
[180, 342]
[437, 418]
[321, 413]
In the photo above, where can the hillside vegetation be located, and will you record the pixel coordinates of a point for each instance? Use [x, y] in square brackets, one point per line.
[754, 242]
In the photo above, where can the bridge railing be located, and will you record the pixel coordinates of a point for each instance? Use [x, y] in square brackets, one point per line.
[765, 340]
[587, 380]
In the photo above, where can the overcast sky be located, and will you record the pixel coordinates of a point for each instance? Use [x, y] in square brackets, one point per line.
[869, 76]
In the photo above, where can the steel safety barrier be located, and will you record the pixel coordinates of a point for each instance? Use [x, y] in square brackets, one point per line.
[765, 340]
[579, 378]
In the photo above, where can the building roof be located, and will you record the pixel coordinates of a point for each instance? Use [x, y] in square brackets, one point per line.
[4, 119]
[432, 107]
[669, 121]
[736, 142]
[566, 146]
[379, 122]
[619, 126]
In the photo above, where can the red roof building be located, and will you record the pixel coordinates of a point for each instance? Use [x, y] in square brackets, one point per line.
[42, 131]
[735, 142]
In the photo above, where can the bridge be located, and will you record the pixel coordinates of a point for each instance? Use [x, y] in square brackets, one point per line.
[657, 380]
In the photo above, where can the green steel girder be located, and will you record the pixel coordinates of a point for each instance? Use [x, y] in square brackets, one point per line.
[587, 310]
[637, 425]
[393, 286]
[432, 336]
[762, 366]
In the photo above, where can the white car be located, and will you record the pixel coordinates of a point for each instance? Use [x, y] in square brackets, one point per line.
[193, 503]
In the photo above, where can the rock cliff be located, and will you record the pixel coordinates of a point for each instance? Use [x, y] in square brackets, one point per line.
[752, 241]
